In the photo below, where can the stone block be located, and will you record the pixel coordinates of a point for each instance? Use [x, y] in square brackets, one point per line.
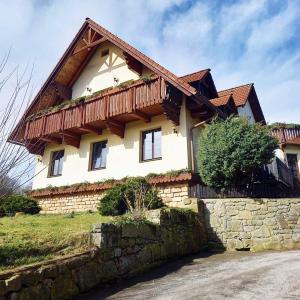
[2, 288]
[64, 288]
[262, 232]
[235, 225]
[117, 252]
[283, 224]
[13, 283]
[253, 207]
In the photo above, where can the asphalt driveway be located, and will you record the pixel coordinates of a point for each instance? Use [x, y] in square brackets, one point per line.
[239, 275]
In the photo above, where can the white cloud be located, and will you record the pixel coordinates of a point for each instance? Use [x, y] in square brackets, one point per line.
[243, 41]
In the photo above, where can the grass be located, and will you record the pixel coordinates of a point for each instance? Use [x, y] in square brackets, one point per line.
[26, 239]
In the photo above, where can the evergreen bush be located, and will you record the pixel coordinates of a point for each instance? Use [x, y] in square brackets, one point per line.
[231, 150]
[133, 194]
[9, 205]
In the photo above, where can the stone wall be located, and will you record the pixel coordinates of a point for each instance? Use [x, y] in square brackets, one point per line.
[174, 195]
[254, 224]
[121, 251]
[67, 203]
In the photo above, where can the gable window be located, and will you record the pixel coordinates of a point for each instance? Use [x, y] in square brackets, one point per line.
[98, 157]
[151, 144]
[104, 52]
[56, 166]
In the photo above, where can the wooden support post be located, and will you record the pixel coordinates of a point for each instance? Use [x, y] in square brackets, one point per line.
[116, 127]
[91, 129]
[142, 116]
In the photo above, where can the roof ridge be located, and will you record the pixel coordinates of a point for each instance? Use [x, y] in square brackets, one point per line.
[208, 69]
[235, 87]
[171, 76]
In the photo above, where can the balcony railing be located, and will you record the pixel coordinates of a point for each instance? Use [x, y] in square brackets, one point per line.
[281, 172]
[134, 98]
[285, 135]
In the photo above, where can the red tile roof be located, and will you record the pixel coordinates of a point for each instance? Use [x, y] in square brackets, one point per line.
[221, 100]
[177, 82]
[239, 94]
[196, 76]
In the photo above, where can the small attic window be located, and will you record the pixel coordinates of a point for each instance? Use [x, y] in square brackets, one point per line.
[104, 52]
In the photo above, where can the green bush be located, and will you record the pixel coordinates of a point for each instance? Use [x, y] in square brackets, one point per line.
[231, 150]
[12, 204]
[132, 190]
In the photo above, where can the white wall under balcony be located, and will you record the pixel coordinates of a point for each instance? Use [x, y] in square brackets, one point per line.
[123, 158]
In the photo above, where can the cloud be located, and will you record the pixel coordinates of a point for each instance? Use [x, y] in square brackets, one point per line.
[241, 41]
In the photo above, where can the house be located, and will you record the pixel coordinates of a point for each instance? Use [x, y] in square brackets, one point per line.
[108, 111]
[289, 151]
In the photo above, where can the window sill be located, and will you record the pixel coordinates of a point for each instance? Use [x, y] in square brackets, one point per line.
[152, 159]
[51, 176]
[98, 169]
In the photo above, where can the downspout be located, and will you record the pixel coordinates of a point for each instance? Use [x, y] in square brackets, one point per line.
[192, 140]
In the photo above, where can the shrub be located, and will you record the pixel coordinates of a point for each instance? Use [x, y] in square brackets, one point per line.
[10, 205]
[231, 150]
[134, 195]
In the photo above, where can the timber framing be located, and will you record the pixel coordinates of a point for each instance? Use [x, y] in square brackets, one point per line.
[162, 94]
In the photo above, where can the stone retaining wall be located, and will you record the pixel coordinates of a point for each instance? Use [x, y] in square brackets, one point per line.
[68, 203]
[254, 224]
[174, 195]
[121, 251]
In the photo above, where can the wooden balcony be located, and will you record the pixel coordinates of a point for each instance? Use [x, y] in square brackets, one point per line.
[287, 135]
[110, 110]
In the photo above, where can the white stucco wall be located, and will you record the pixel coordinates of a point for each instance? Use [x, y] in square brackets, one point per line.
[246, 111]
[123, 158]
[99, 73]
[281, 154]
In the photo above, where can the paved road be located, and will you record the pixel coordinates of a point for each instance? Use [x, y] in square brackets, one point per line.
[242, 275]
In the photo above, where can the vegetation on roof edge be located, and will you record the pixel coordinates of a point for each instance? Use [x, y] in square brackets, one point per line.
[80, 100]
[278, 125]
[172, 173]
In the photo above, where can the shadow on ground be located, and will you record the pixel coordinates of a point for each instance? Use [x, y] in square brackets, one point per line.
[105, 291]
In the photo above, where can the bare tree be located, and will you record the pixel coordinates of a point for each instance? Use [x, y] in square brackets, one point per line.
[16, 163]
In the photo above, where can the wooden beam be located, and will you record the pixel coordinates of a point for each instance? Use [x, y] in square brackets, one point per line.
[49, 139]
[142, 116]
[91, 129]
[133, 64]
[69, 134]
[89, 45]
[75, 142]
[116, 128]
[61, 90]
[82, 66]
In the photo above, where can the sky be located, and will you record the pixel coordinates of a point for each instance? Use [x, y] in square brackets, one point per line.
[240, 41]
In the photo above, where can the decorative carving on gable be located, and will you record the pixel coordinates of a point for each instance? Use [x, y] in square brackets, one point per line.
[90, 39]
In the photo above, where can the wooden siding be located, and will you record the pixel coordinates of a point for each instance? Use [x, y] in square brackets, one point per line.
[114, 103]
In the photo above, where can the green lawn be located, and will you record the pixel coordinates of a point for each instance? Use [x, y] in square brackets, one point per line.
[26, 239]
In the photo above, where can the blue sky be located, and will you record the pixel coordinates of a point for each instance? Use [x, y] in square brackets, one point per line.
[241, 41]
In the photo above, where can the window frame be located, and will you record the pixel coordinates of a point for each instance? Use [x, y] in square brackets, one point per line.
[92, 154]
[50, 168]
[142, 134]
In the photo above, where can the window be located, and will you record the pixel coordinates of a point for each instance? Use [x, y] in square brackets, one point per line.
[99, 153]
[104, 52]
[56, 166]
[151, 144]
[293, 164]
